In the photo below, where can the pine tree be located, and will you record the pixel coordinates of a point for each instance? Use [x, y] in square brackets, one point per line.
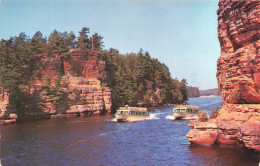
[97, 41]
[83, 41]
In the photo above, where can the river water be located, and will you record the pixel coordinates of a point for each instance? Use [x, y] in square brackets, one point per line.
[99, 140]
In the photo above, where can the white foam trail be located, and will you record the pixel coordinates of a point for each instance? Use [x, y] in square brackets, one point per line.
[113, 120]
[103, 134]
[153, 116]
[159, 113]
[171, 117]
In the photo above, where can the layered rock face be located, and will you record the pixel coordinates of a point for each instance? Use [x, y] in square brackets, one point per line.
[238, 75]
[238, 67]
[81, 72]
[84, 63]
[90, 96]
[75, 62]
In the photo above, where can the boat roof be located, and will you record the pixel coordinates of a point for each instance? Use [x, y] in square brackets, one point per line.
[186, 107]
[132, 108]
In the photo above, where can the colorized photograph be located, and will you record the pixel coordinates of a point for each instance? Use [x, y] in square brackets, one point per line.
[129, 82]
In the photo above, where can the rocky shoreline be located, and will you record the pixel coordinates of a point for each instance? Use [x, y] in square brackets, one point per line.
[238, 75]
[86, 95]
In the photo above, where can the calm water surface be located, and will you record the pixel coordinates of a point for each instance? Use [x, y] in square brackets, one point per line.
[99, 140]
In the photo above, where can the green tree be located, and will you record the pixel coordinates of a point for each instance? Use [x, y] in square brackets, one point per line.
[97, 41]
[183, 90]
[56, 95]
[10, 66]
[38, 43]
[56, 40]
[83, 39]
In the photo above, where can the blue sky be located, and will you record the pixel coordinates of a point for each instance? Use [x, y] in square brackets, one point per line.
[180, 33]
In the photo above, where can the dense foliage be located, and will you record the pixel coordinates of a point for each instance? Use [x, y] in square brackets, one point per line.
[193, 91]
[209, 92]
[133, 78]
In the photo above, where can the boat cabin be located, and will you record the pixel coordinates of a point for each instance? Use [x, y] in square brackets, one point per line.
[187, 109]
[131, 114]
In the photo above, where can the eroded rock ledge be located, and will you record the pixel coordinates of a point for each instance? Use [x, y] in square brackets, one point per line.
[81, 72]
[236, 124]
[238, 75]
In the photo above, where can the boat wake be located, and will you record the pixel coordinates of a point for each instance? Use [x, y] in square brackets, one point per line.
[154, 116]
[113, 120]
[171, 117]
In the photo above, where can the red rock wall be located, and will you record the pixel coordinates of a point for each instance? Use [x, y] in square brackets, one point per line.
[238, 67]
[81, 70]
[49, 65]
[91, 95]
[84, 63]
[76, 63]
[238, 75]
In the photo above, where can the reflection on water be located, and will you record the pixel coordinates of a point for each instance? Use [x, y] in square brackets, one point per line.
[99, 141]
[221, 156]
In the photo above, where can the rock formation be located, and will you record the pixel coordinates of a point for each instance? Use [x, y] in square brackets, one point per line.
[238, 67]
[238, 75]
[81, 72]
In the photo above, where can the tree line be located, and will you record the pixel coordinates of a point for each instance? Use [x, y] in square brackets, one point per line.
[193, 91]
[133, 78]
[19, 67]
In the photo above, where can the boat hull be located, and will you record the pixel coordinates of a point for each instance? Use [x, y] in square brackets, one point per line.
[184, 115]
[129, 118]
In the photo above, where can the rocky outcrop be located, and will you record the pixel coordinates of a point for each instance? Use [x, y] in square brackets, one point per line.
[239, 124]
[82, 72]
[84, 63]
[73, 62]
[238, 75]
[90, 96]
[238, 67]
[203, 133]
[4, 102]
[6, 115]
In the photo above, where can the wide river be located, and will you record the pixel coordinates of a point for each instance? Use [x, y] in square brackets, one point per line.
[99, 140]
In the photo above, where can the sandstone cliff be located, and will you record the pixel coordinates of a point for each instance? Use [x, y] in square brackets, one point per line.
[238, 75]
[81, 72]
